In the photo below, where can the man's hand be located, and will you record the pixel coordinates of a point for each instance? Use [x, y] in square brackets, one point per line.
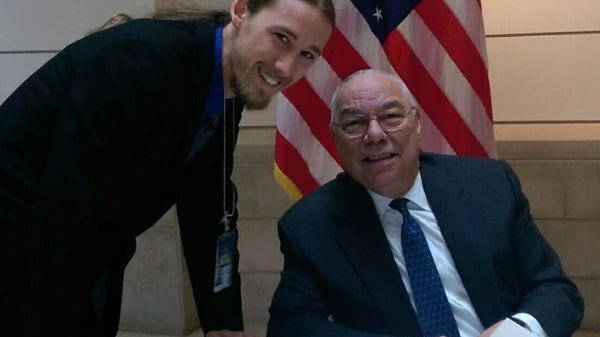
[228, 333]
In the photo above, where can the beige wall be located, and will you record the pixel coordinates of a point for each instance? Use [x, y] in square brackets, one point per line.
[32, 31]
[544, 64]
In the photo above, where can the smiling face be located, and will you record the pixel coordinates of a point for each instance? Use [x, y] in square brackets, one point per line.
[272, 48]
[386, 163]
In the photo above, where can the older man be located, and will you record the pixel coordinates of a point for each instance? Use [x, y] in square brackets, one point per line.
[406, 243]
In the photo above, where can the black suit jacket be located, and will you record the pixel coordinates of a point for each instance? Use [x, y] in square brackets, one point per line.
[93, 151]
[340, 278]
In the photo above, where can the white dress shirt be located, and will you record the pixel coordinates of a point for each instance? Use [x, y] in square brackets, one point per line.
[466, 318]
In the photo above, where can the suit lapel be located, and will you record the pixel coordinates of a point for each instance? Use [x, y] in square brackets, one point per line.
[463, 227]
[363, 240]
[205, 35]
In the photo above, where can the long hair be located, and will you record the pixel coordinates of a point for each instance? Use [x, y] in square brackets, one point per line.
[195, 12]
[191, 12]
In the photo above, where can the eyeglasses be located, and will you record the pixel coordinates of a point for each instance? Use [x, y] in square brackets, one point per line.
[355, 125]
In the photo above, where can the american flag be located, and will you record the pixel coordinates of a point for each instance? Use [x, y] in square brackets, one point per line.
[436, 46]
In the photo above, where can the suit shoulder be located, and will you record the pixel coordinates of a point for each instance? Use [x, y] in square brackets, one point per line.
[463, 163]
[469, 171]
[170, 38]
[327, 201]
[324, 195]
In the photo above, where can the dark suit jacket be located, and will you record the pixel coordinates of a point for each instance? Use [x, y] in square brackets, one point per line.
[93, 151]
[338, 264]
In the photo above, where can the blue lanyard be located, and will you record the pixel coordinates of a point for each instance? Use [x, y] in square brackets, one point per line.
[216, 93]
[214, 103]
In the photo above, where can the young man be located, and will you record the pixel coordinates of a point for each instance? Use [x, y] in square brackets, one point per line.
[117, 128]
[407, 243]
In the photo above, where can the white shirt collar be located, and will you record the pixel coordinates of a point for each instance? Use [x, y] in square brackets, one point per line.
[416, 194]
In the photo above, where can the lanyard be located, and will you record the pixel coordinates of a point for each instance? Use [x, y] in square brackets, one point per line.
[216, 94]
[214, 102]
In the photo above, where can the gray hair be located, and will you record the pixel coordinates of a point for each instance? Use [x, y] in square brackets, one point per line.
[371, 71]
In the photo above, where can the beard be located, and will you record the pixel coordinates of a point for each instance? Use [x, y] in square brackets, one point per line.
[237, 62]
[252, 102]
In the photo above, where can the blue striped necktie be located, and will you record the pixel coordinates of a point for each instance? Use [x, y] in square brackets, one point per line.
[433, 308]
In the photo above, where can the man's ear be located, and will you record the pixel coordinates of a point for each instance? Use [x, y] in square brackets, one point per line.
[418, 120]
[237, 10]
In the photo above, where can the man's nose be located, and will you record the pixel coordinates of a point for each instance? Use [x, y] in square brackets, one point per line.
[374, 132]
[286, 65]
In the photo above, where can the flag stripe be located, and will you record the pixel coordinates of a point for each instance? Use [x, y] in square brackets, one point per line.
[448, 78]
[293, 127]
[323, 80]
[458, 45]
[294, 166]
[438, 50]
[314, 111]
[432, 99]
[432, 139]
[342, 57]
[468, 15]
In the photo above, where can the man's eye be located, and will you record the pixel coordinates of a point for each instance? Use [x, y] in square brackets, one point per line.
[390, 116]
[353, 123]
[282, 37]
[308, 55]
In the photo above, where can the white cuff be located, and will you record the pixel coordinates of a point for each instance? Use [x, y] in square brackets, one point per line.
[532, 324]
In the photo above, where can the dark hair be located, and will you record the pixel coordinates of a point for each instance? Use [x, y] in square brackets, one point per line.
[194, 12]
[326, 7]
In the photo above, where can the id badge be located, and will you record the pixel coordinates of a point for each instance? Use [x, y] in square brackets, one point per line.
[224, 263]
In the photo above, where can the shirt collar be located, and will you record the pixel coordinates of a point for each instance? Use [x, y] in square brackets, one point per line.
[416, 194]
